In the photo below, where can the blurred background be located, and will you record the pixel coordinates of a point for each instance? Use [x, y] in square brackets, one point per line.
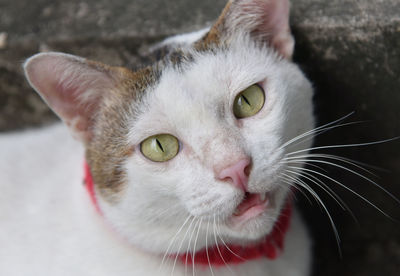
[349, 49]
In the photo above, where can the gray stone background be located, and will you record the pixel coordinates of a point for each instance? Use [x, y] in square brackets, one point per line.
[350, 49]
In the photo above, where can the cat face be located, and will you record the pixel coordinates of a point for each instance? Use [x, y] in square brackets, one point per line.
[195, 105]
[223, 170]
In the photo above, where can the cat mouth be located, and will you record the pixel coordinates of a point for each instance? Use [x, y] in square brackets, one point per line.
[251, 206]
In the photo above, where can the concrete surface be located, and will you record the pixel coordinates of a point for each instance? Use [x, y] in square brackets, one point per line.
[350, 49]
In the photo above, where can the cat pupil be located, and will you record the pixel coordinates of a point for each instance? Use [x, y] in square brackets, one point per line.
[246, 100]
[159, 144]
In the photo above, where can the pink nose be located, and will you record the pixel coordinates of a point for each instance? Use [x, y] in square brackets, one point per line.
[238, 174]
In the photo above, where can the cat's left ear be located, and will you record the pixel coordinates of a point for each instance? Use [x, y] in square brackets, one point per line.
[264, 20]
[73, 87]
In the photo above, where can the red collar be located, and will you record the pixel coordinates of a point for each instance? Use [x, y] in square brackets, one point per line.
[89, 184]
[270, 247]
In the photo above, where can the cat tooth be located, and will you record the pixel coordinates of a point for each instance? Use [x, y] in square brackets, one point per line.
[264, 196]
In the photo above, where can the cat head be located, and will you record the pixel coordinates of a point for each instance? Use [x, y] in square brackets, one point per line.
[188, 144]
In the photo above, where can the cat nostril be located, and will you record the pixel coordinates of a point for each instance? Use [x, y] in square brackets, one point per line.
[237, 173]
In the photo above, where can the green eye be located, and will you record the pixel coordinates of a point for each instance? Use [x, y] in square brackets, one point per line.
[160, 148]
[248, 102]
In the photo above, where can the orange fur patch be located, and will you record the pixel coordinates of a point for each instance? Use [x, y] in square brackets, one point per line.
[213, 37]
[109, 148]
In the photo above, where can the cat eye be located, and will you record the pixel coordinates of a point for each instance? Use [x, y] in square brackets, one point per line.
[160, 148]
[248, 102]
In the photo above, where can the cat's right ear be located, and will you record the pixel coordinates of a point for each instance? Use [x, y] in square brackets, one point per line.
[73, 87]
[266, 21]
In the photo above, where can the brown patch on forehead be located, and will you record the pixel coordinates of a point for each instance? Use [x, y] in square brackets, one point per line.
[178, 57]
[109, 148]
[170, 54]
[214, 36]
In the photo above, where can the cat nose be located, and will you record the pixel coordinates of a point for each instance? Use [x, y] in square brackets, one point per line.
[237, 173]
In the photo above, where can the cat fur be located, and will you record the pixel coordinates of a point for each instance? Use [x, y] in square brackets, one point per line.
[50, 227]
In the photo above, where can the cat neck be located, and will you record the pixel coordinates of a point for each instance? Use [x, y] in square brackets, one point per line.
[270, 247]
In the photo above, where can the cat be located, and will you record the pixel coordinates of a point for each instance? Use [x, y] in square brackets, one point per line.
[182, 162]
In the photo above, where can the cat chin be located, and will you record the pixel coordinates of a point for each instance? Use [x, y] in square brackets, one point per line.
[253, 230]
[258, 221]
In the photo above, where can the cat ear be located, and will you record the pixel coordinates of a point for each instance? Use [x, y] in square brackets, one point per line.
[264, 20]
[72, 86]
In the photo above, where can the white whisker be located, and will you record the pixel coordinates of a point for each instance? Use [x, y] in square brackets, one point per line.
[290, 184]
[314, 130]
[208, 257]
[344, 146]
[316, 133]
[219, 251]
[227, 247]
[300, 183]
[315, 195]
[326, 189]
[190, 241]
[180, 246]
[322, 186]
[347, 188]
[353, 172]
[337, 158]
[195, 243]
[173, 240]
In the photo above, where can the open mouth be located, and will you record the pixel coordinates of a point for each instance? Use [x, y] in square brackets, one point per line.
[251, 206]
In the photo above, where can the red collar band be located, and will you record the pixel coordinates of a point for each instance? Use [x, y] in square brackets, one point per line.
[270, 247]
[89, 184]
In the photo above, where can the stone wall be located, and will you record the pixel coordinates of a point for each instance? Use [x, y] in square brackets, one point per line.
[350, 50]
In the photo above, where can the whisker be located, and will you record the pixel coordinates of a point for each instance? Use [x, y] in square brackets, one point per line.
[312, 135]
[298, 182]
[312, 131]
[208, 257]
[354, 163]
[361, 165]
[227, 247]
[344, 146]
[290, 184]
[219, 251]
[173, 240]
[321, 203]
[322, 186]
[190, 241]
[353, 172]
[347, 188]
[180, 246]
[283, 161]
[327, 190]
[195, 242]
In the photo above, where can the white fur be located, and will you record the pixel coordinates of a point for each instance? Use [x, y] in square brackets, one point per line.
[49, 226]
[186, 104]
[181, 39]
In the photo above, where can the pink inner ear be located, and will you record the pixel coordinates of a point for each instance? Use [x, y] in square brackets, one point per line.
[70, 87]
[271, 21]
[277, 23]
